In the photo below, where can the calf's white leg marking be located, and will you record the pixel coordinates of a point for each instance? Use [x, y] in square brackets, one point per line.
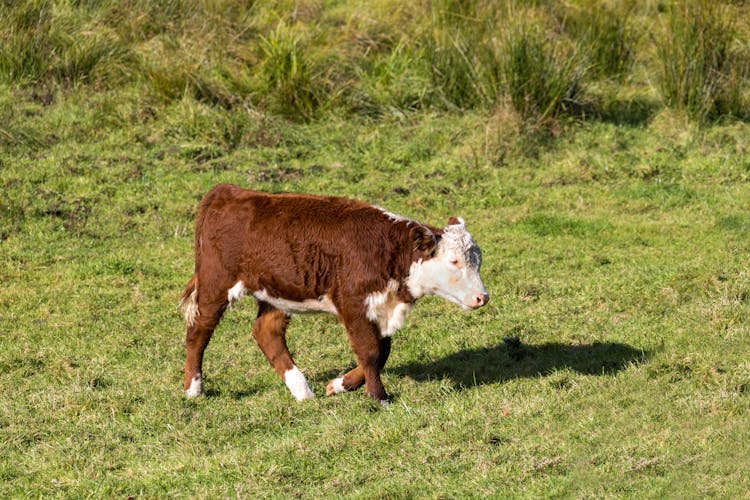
[335, 386]
[297, 384]
[196, 387]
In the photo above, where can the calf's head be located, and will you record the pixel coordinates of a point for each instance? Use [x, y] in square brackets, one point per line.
[451, 268]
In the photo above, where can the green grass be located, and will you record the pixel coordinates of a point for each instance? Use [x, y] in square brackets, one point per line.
[627, 294]
[611, 361]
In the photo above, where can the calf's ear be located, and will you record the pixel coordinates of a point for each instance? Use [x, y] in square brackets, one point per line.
[424, 240]
[456, 221]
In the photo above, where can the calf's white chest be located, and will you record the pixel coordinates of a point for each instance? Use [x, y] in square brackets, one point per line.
[387, 310]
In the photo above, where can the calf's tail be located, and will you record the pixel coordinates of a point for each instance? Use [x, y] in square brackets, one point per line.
[189, 302]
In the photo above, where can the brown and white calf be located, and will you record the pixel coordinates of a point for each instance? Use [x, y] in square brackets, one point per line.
[302, 253]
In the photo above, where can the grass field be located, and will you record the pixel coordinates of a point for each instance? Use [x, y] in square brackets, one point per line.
[613, 359]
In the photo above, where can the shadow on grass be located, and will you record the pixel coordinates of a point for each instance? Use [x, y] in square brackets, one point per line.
[216, 392]
[508, 360]
[635, 111]
[513, 359]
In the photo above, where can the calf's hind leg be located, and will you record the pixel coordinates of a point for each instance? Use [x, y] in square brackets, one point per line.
[198, 335]
[269, 332]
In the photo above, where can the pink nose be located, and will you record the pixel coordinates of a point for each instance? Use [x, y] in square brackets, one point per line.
[481, 299]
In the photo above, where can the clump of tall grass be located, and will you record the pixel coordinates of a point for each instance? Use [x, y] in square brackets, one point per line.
[173, 72]
[608, 37]
[543, 76]
[396, 81]
[460, 48]
[21, 58]
[698, 69]
[98, 58]
[59, 42]
[25, 40]
[287, 74]
[139, 20]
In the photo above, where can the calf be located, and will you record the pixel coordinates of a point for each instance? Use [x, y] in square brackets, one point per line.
[302, 253]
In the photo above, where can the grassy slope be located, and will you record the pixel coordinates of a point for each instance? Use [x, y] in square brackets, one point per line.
[617, 255]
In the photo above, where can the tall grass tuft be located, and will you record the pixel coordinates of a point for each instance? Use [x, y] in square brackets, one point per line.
[97, 58]
[398, 81]
[21, 58]
[608, 37]
[461, 51]
[287, 74]
[61, 43]
[543, 77]
[24, 47]
[139, 20]
[698, 69]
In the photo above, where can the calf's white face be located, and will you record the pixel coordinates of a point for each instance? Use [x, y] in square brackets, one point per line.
[453, 273]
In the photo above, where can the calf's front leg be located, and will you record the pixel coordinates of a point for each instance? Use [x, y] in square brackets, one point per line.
[355, 378]
[372, 352]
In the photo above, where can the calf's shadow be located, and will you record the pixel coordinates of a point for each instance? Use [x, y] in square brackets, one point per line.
[512, 359]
